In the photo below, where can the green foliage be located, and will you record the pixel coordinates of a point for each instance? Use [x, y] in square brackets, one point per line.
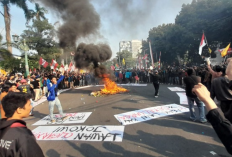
[37, 14]
[39, 37]
[129, 61]
[19, 3]
[214, 17]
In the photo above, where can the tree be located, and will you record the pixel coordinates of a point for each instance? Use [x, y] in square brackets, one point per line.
[37, 14]
[7, 62]
[39, 37]
[129, 61]
[211, 16]
[7, 17]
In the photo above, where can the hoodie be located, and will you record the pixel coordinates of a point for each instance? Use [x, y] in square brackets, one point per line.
[16, 140]
[190, 81]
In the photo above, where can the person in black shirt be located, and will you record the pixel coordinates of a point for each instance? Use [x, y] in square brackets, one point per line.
[156, 81]
[190, 82]
[215, 116]
[17, 138]
[36, 88]
[26, 88]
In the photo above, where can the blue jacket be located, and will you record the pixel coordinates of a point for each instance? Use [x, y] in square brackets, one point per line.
[128, 75]
[51, 89]
[45, 83]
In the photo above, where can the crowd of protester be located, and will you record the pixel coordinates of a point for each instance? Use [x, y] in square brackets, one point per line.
[202, 84]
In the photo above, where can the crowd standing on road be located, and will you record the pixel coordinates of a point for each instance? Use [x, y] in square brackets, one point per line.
[202, 85]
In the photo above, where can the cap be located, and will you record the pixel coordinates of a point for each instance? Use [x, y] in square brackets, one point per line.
[23, 81]
[156, 71]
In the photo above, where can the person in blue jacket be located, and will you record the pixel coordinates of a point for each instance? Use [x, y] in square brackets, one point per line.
[53, 97]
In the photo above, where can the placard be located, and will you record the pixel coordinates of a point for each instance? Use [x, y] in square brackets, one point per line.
[149, 113]
[80, 133]
[79, 117]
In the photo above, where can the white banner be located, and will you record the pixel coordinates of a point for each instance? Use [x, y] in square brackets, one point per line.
[80, 133]
[149, 113]
[72, 118]
[178, 89]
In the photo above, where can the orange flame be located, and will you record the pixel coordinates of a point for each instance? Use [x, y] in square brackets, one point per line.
[111, 87]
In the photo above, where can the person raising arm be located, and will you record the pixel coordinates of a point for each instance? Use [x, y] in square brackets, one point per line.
[215, 116]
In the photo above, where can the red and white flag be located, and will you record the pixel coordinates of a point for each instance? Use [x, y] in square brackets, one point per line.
[54, 64]
[159, 60]
[145, 56]
[202, 44]
[70, 66]
[43, 62]
[61, 67]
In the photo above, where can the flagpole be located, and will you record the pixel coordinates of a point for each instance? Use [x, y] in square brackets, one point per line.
[152, 60]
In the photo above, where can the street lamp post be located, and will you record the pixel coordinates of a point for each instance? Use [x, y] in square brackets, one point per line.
[23, 46]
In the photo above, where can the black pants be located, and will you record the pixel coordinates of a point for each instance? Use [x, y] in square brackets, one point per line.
[156, 86]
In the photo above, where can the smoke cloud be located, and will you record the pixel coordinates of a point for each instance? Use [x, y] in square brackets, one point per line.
[90, 54]
[79, 19]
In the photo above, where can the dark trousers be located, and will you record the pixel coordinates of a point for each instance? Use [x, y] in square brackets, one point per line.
[156, 86]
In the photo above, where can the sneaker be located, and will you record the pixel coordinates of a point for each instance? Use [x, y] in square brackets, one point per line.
[64, 118]
[156, 96]
[193, 119]
[203, 121]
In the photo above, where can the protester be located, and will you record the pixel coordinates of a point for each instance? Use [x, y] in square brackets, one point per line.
[45, 82]
[216, 73]
[190, 81]
[7, 87]
[25, 88]
[53, 97]
[156, 81]
[221, 125]
[36, 87]
[221, 90]
[19, 140]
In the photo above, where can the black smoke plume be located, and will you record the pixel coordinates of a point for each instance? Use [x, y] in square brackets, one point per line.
[90, 54]
[79, 19]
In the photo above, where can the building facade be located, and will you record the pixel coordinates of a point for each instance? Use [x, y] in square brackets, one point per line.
[136, 48]
[133, 46]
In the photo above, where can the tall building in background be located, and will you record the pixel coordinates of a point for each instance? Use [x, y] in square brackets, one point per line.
[133, 46]
[125, 46]
[136, 47]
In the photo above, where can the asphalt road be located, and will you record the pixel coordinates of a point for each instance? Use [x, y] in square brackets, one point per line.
[173, 136]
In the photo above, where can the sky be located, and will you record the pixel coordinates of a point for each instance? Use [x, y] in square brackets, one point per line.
[120, 19]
